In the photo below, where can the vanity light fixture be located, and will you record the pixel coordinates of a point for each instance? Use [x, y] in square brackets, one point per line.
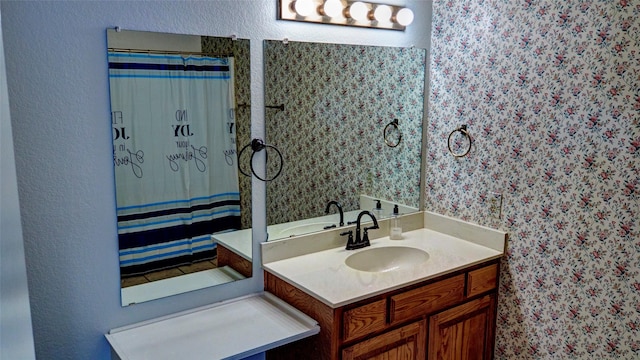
[382, 13]
[345, 12]
[404, 17]
[357, 11]
[303, 7]
[331, 8]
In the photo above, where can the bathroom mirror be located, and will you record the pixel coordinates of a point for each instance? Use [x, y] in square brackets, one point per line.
[180, 109]
[348, 120]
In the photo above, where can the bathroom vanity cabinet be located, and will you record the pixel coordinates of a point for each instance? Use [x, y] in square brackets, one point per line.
[452, 316]
[227, 257]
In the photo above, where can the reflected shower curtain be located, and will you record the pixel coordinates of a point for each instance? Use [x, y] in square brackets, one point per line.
[173, 152]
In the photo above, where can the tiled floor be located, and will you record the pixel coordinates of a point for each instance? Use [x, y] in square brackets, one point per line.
[168, 273]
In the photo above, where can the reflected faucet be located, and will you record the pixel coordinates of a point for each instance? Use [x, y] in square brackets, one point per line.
[359, 241]
[337, 204]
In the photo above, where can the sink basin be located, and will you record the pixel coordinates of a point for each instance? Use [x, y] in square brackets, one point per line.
[304, 229]
[386, 258]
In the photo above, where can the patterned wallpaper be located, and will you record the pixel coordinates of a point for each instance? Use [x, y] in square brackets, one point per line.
[550, 91]
[337, 101]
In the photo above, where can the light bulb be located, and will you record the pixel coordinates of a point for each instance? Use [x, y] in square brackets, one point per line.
[358, 11]
[404, 17]
[382, 13]
[303, 7]
[332, 8]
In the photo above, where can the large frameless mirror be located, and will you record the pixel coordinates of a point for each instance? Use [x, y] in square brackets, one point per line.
[180, 106]
[348, 120]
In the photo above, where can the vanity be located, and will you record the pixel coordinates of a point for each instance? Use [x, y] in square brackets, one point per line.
[174, 237]
[234, 248]
[429, 295]
[442, 307]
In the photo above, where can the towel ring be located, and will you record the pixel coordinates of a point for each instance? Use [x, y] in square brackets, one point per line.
[463, 130]
[258, 145]
[393, 123]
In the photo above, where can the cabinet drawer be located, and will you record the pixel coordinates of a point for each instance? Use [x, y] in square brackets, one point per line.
[427, 299]
[482, 280]
[407, 342]
[364, 320]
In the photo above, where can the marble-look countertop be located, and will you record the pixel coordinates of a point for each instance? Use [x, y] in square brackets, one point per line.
[240, 241]
[325, 276]
[237, 241]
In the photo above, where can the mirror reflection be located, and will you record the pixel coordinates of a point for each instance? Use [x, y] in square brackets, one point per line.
[180, 104]
[350, 128]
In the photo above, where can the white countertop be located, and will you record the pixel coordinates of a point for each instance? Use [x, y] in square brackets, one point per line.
[237, 241]
[232, 329]
[325, 275]
[240, 241]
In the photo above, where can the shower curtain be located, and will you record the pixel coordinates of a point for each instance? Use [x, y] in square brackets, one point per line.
[174, 157]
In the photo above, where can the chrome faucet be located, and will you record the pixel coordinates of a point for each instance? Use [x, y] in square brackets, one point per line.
[337, 204]
[363, 241]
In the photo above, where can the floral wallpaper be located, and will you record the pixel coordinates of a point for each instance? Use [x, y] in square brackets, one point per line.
[337, 100]
[550, 91]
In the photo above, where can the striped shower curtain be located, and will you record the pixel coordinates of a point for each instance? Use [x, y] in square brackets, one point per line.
[174, 157]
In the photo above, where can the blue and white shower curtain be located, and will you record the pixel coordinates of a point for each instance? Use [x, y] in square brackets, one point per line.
[174, 157]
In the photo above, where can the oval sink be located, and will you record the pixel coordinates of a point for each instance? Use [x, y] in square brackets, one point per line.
[304, 229]
[386, 258]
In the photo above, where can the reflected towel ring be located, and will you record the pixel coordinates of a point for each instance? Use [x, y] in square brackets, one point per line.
[463, 130]
[258, 145]
[394, 123]
[276, 107]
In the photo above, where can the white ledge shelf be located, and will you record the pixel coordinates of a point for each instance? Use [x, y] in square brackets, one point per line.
[233, 329]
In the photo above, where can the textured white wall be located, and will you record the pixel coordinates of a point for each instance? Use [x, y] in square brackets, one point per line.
[58, 93]
[16, 338]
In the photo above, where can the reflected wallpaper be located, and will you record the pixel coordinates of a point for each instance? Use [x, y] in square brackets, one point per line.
[337, 101]
[550, 91]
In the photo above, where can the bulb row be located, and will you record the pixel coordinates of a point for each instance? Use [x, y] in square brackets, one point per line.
[358, 11]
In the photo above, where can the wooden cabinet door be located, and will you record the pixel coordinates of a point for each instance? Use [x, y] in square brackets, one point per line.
[464, 332]
[405, 343]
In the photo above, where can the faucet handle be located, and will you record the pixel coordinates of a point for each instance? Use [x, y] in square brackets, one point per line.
[350, 233]
[365, 236]
[350, 242]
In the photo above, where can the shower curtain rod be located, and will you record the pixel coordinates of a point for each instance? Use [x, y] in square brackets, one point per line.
[148, 51]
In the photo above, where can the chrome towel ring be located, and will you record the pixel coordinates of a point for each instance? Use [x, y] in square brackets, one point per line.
[462, 129]
[258, 145]
[393, 123]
